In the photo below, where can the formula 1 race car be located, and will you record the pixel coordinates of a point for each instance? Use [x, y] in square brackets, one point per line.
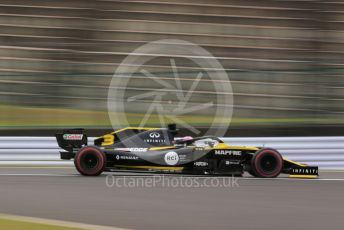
[159, 150]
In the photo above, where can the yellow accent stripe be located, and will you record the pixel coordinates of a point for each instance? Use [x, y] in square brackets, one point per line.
[133, 128]
[294, 162]
[222, 146]
[150, 167]
[232, 147]
[303, 176]
[112, 138]
[162, 148]
[137, 128]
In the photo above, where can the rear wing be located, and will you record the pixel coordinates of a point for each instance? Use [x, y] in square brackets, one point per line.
[71, 139]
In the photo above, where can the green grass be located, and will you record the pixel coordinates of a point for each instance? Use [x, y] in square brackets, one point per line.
[19, 117]
[23, 225]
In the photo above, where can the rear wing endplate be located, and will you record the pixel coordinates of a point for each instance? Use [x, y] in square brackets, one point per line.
[71, 139]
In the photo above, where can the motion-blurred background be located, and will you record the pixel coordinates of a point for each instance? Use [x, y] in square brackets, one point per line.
[284, 59]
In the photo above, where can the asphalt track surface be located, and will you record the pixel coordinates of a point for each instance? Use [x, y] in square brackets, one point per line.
[174, 202]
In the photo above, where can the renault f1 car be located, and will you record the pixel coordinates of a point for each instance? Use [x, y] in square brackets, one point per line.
[159, 150]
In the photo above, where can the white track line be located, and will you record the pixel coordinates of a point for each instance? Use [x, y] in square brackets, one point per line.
[39, 174]
[292, 179]
[170, 175]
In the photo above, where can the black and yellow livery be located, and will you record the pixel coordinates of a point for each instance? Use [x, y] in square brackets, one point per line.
[159, 150]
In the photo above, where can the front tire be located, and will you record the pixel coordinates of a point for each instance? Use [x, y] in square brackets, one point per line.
[90, 161]
[266, 163]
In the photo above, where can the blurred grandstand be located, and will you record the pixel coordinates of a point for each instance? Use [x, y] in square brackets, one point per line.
[284, 58]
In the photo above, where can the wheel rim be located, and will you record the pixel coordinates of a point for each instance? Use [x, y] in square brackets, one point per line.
[89, 161]
[268, 163]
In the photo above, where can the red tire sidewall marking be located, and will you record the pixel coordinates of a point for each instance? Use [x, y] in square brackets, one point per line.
[257, 160]
[100, 157]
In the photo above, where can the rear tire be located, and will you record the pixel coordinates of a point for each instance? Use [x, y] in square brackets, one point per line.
[90, 161]
[266, 163]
